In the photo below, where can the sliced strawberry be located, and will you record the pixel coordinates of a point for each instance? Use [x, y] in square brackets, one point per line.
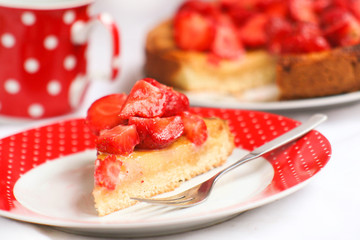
[144, 100]
[245, 4]
[104, 113]
[321, 5]
[121, 139]
[277, 29]
[195, 128]
[156, 133]
[239, 14]
[107, 172]
[276, 8]
[193, 31]
[176, 102]
[252, 33]
[354, 6]
[202, 7]
[305, 38]
[341, 27]
[303, 10]
[226, 43]
[340, 4]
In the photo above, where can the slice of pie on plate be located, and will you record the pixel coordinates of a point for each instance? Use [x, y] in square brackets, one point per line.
[148, 143]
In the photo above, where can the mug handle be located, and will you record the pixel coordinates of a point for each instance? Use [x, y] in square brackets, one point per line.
[80, 31]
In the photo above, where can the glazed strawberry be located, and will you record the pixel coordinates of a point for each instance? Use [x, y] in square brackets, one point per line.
[321, 5]
[302, 10]
[252, 33]
[275, 8]
[226, 43]
[107, 172]
[176, 102]
[193, 31]
[277, 29]
[195, 128]
[156, 133]
[239, 14]
[104, 113]
[121, 139]
[354, 7]
[204, 8]
[351, 6]
[144, 100]
[341, 27]
[246, 4]
[305, 38]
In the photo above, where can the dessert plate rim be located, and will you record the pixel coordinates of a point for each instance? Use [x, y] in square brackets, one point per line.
[216, 100]
[74, 138]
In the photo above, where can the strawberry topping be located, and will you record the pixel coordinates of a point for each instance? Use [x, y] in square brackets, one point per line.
[226, 43]
[277, 30]
[152, 116]
[176, 102]
[195, 128]
[225, 29]
[144, 100]
[121, 139]
[157, 132]
[252, 33]
[303, 10]
[305, 38]
[107, 172]
[104, 113]
[341, 27]
[193, 31]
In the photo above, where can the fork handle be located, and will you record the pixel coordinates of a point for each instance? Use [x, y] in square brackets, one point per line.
[285, 138]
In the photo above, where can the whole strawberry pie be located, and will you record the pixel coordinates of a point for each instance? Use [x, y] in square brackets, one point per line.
[296, 48]
[148, 142]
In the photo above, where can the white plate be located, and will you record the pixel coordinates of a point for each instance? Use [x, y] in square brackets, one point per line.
[61, 191]
[260, 100]
[47, 177]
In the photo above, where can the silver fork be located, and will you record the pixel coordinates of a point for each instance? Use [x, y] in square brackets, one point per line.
[200, 192]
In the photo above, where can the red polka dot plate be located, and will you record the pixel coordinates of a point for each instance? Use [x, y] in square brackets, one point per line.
[46, 177]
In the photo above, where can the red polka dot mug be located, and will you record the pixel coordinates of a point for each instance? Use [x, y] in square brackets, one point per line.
[43, 55]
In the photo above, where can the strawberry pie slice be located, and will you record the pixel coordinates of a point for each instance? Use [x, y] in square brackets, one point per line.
[148, 143]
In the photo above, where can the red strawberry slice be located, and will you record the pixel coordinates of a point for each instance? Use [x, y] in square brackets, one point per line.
[121, 140]
[195, 128]
[354, 7]
[341, 27]
[176, 102]
[246, 4]
[277, 29]
[303, 10]
[239, 14]
[156, 133]
[144, 100]
[202, 7]
[193, 31]
[252, 33]
[104, 113]
[226, 44]
[107, 172]
[277, 8]
[305, 38]
[321, 5]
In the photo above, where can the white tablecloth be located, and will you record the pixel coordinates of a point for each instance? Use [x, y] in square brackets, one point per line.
[327, 208]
